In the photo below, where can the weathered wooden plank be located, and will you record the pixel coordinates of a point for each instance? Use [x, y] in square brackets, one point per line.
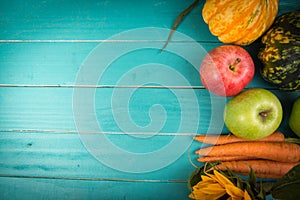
[38, 188]
[91, 20]
[58, 64]
[116, 109]
[43, 188]
[119, 109]
[100, 19]
[64, 155]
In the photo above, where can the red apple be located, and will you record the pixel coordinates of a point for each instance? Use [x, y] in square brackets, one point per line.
[226, 70]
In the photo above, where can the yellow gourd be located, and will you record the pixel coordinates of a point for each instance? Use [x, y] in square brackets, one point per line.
[239, 22]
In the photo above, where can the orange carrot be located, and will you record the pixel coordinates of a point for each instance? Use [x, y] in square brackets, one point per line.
[223, 158]
[225, 139]
[262, 168]
[277, 151]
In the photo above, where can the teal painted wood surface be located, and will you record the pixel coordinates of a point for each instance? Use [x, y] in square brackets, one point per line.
[90, 189]
[77, 20]
[144, 102]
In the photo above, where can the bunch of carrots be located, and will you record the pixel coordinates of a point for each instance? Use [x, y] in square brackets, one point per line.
[270, 157]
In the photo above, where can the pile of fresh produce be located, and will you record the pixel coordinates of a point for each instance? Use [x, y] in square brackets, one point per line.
[270, 157]
[209, 182]
[254, 148]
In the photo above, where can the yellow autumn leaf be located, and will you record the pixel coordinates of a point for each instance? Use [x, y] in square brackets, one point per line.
[201, 196]
[246, 195]
[234, 191]
[213, 188]
[222, 179]
[206, 178]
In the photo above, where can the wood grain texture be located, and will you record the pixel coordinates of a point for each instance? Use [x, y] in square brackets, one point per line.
[89, 20]
[26, 188]
[25, 108]
[30, 108]
[43, 46]
[58, 64]
[64, 155]
[100, 19]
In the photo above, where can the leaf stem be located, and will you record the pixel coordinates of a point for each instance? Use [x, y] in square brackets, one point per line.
[178, 21]
[293, 140]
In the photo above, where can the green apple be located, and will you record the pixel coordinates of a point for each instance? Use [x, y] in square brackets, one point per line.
[253, 114]
[294, 120]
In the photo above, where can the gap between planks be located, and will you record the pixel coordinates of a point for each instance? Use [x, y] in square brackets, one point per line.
[105, 133]
[100, 41]
[101, 86]
[93, 179]
[109, 86]
[194, 87]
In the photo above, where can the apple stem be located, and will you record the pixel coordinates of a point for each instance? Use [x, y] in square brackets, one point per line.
[264, 114]
[232, 66]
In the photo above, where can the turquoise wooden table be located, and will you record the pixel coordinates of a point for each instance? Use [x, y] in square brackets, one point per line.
[90, 108]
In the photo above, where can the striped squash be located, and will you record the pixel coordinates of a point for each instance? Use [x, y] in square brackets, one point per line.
[281, 52]
[239, 22]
